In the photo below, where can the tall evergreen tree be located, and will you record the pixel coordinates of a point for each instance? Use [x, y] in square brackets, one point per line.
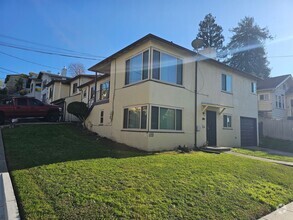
[211, 33]
[246, 48]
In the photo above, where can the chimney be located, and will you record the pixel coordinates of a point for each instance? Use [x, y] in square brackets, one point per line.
[64, 71]
[209, 52]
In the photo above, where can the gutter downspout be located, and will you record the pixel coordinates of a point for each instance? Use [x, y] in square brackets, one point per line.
[195, 100]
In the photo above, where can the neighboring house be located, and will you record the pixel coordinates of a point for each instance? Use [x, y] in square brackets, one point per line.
[45, 78]
[34, 86]
[272, 97]
[11, 80]
[152, 104]
[62, 92]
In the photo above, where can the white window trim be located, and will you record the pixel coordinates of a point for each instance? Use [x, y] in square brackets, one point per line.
[166, 130]
[255, 86]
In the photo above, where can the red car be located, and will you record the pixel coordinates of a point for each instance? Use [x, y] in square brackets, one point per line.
[26, 107]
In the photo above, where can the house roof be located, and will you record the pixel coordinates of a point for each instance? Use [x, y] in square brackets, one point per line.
[93, 80]
[271, 82]
[52, 75]
[68, 81]
[170, 43]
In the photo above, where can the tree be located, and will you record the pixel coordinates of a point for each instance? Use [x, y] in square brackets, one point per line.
[211, 33]
[18, 84]
[76, 69]
[78, 109]
[246, 48]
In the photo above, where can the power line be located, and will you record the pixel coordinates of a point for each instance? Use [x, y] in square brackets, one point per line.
[45, 52]
[8, 70]
[29, 61]
[44, 45]
[281, 56]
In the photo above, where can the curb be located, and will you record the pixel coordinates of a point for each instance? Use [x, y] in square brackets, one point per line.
[8, 204]
[283, 213]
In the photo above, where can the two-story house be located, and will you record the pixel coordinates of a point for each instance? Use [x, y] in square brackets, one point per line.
[274, 97]
[163, 95]
[45, 78]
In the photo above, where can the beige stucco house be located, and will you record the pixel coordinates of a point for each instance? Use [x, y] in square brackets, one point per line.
[274, 97]
[156, 102]
[62, 92]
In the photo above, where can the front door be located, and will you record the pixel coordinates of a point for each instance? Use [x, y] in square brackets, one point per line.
[211, 128]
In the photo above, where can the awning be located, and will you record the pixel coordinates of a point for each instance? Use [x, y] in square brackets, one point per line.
[221, 108]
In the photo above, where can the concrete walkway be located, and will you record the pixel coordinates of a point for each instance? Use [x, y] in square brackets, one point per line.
[8, 204]
[283, 213]
[261, 159]
[270, 151]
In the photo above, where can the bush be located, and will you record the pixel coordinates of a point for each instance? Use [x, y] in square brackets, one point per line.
[78, 109]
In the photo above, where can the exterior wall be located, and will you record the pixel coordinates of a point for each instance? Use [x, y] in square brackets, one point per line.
[68, 100]
[79, 81]
[278, 113]
[265, 105]
[242, 103]
[153, 92]
[35, 91]
[289, 100]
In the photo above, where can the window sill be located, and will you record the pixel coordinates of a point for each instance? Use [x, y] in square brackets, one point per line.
[154, 80]
[229, 93]
[166, 131]
[227, 128]
[167, 83]
[134, 130]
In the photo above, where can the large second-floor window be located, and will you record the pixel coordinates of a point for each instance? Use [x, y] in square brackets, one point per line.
[137, 68]
[167, 68]
[226, 83]
[104, 90]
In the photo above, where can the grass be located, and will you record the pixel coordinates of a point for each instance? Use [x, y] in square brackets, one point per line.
[60, 172]
[277, 144]
[263, 154]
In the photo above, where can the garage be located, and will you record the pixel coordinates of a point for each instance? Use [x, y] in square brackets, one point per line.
[248, 131]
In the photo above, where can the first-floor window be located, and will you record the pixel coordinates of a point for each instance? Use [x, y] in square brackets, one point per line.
[166, 118]
[135, 117]
[102, 117]
[227, 122]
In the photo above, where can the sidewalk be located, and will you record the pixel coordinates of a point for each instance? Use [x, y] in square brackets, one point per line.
[8, 204]
[261, 159]
[283, 213]
[270, 151]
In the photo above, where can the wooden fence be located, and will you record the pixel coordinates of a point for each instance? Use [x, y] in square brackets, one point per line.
[281, 129]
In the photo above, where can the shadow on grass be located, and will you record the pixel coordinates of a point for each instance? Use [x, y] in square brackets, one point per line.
[276, 144]
[29, 146]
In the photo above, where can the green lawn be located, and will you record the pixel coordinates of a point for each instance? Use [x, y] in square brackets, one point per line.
[276, 144]
[263, 154]
[71, 175]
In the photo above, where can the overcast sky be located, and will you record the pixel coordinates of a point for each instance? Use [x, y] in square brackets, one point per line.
[102, 28]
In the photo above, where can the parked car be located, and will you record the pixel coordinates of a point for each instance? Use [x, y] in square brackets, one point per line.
[26, 107]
